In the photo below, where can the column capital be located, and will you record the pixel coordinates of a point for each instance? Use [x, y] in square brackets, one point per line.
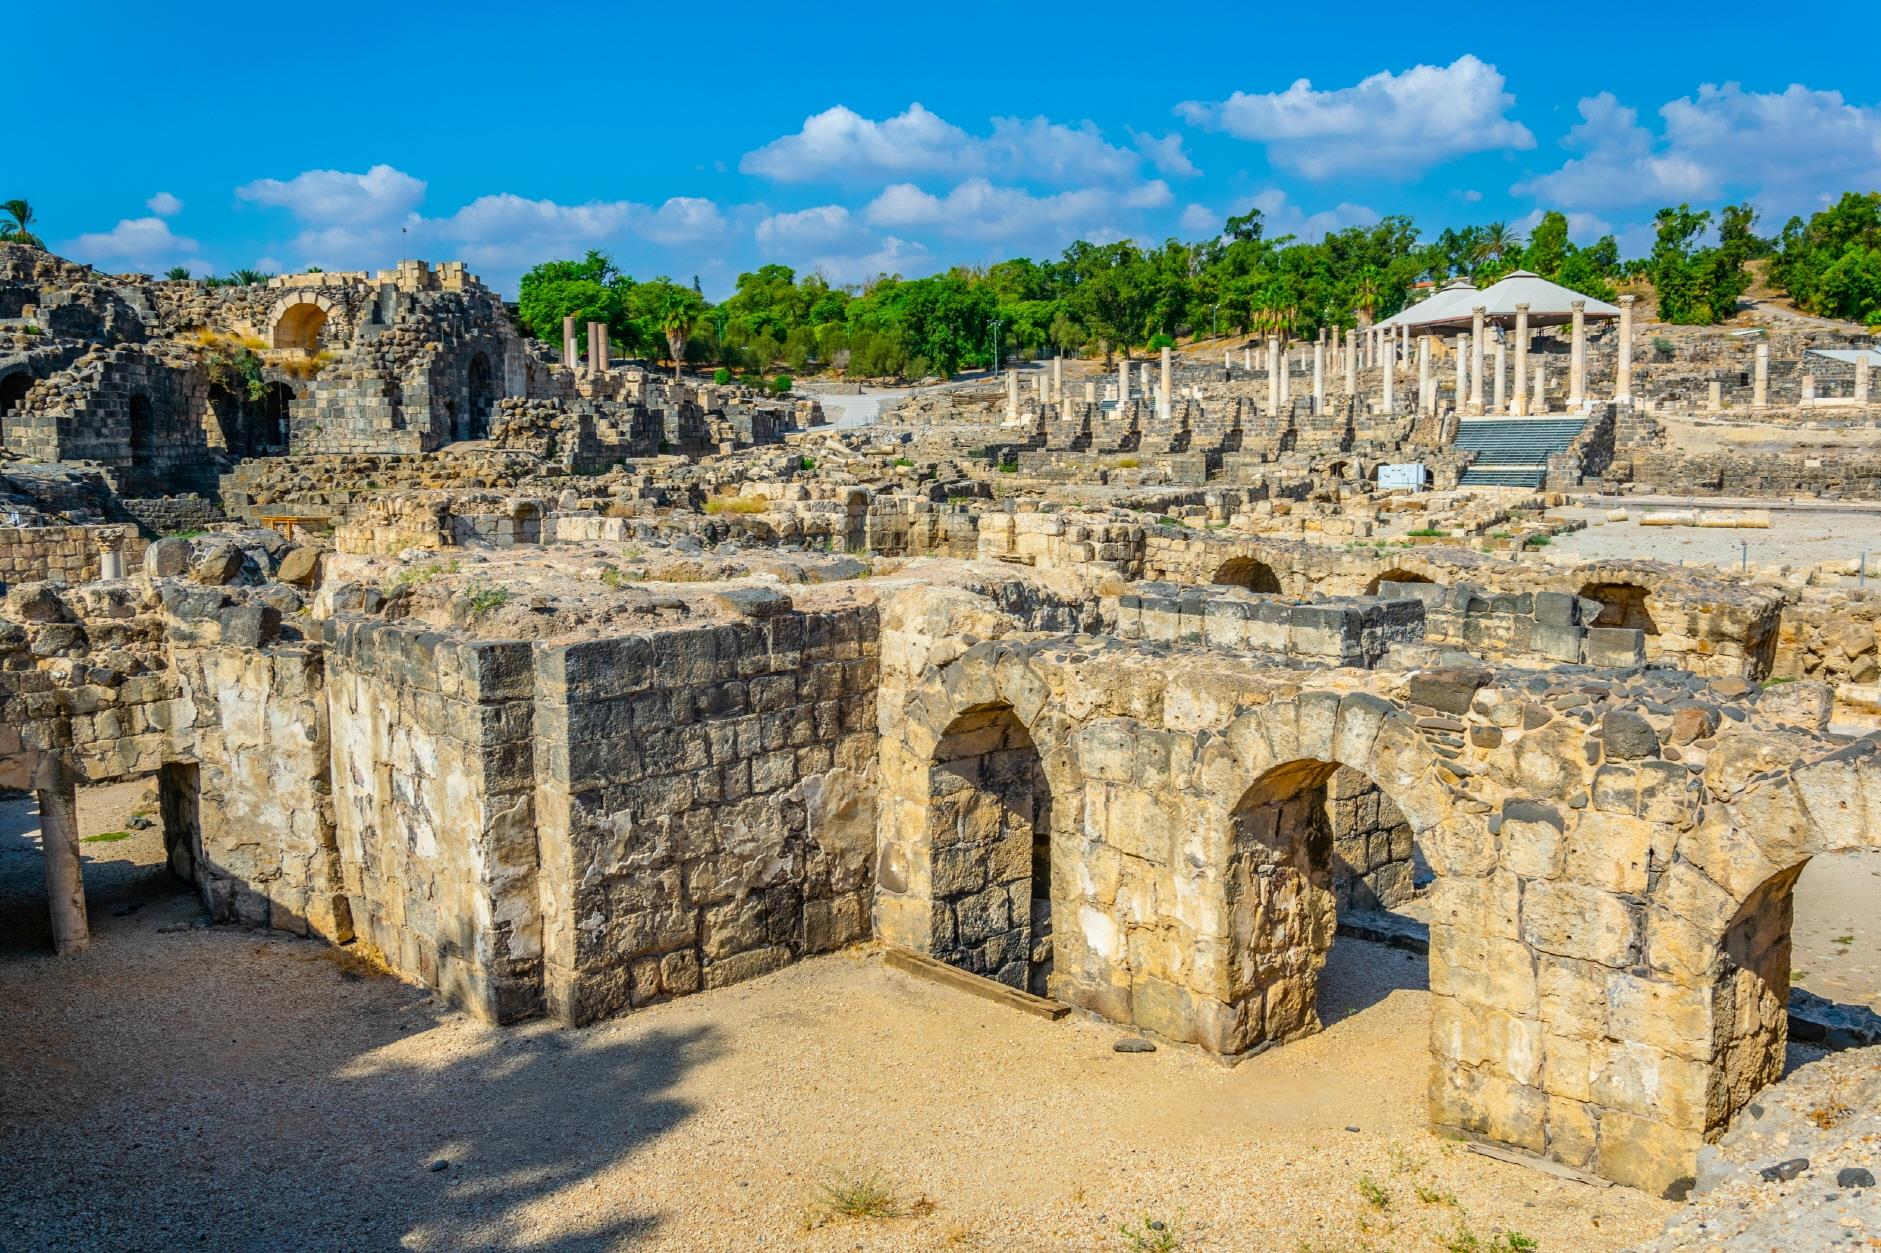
[1627, 301]
[1577, 305]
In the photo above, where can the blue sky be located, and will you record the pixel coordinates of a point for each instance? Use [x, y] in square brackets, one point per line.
[862, 138]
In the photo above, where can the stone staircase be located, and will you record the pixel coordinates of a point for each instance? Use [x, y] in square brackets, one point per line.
[1513, 452]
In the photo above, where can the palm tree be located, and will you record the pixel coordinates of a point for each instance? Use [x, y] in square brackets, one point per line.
[1497, 243]
[677, 320]
[16, 233]
[248, 278]
[1365, 297]
[177, 273]
[1275, 316]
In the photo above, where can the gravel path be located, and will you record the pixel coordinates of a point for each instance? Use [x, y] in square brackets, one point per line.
[1795, 538]
[180, 1085]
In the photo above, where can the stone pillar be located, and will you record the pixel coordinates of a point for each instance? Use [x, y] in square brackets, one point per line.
[1577, 357]
[1012, 395]
[1351, 363]
[1038, 385]
[1286, 378]
[1058, 380]
[1539, 405]
[1319, 374]
[65, 870]
[1521, 361]
[1502, 374]
[569, 358]
[1162, 391]
[1387, 401]
[1809, 389]
[1426, 391]
[1861, 378]
[597, 348]
[1123, 383]
[1715, 396]
[1273, 375]
[1623, 369]
[110, 562]
[1477, 317]
[1760, 379]
[1227, 363]
[1462, 369]
[1090, 393]
[1247, 359]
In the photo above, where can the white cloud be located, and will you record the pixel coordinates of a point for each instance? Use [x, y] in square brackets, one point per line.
[1165, 154]
[681, 220]
[1199, 220]
[1388, 125]
[1583, 228]
[841, 145]
[164, 205]
[382, 194]
[1280, 216]
[829, 240]
[1789, 150]
[144, 245]
[980, 210]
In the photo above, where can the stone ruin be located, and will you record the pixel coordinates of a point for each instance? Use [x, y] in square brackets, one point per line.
[566, 689]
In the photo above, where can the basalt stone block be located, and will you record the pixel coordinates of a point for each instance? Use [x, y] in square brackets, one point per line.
[1557, 609]
[1628, 736]
[1448, 690]
[249, 626]
[1615, 648]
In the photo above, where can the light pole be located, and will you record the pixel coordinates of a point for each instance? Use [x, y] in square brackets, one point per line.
[995, 370]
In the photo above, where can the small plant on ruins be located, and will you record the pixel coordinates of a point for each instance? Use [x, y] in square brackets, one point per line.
[1010, 466]
[611, 577]
[1540, 541]
[1428, 532]
[721, 376]
[958, 500]
[194, 532]
[619, 509]
[1127, 463]
[486, 599]
[752, 380]
[107, 837]
[1169, 521]
[1374, 1193]
[1150, 1235]
[806, 463]
[902, 463]
[736, 504]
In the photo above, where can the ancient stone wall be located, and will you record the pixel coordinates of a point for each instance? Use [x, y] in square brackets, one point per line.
[69, 553]
[705, 805]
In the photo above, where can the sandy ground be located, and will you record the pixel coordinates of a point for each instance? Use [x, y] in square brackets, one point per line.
[179, 1084]
[1795, 537]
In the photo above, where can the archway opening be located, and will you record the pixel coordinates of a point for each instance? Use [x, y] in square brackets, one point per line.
[1318, 851]
[299, 327]
[270, 434]
[481, 386]
[1394, 575]
[989, 832]
[143, 429]
[1621, 605]
[1256, 576]
[13, 389]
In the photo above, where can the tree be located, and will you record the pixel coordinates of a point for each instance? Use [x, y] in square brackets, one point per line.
[589, 290]
[1829, 263]
[1699, 286]
[664, 309]
[15, 231]
[177, 273]
[1496, 245]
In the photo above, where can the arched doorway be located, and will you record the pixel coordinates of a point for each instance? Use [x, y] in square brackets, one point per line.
[482, 393]
[1621, 605]
[13, 389]
[1311, 844]
[143, 430]
[1393, 575]
[989, 836]
[1255, 576]
[269, 434]
[299, 326]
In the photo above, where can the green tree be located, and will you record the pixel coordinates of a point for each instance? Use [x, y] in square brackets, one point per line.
[1827, 264]
[17, 228]
[589, 290]
[177, 273]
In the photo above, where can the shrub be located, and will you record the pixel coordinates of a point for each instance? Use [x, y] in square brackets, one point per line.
[1160, 341]
[752, 380]
[1128, 463]
[485, 599]
[1009, 466]
[1663, 348]
[721, 376]
[806, 463]
[903, 463]
[781, 384]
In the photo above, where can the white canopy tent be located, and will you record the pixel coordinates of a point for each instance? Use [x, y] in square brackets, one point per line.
[1549, 304]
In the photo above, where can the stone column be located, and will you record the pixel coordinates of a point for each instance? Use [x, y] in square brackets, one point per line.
[1012, 395]
[1319, 374]
[110, 562]
[1577, 357]
[1623, 370]
[1351, 363]
[1123, 383]
[597, 348]
[1426, 390]
[1387, 401]
[1090, 393]
[1058, 379]
[1809, 389]
[1715, 395]
[1227, 363]
[1502, 374]
[569, 357]
[1521, 361]
[1162, 391]
[1247, 358]
[1462, 369]
[65, 870]
[1760, 380]
[1539, 405]
[1861, 378]
[1286, 378]
[1477, 317]
[1273, 375]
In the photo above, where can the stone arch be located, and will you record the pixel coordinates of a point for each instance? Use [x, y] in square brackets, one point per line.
[480, 385]
[13, 389]
[1397, 574]
[1249, 572]
[298, 322]
[1339, 470]
[1622, 605]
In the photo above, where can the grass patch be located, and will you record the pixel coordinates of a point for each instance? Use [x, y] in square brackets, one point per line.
[486, 599]
[1540, 541]
[1127, 463]
[861, 1198]
[1429, 532]
[1150, 1235]
[1467, 1241]
[612, 578]
[106, 837]
[418, 576]
[1009, 467]
[903, 463]
[738, 504]
[806, 463]
[1166, 520]
[1374, 1193]
[194, 532]
[1845, 939]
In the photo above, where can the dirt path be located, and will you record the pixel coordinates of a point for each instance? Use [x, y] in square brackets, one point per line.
[180, 1084]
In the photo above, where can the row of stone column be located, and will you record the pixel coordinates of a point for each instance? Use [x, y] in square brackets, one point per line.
[597, 346]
